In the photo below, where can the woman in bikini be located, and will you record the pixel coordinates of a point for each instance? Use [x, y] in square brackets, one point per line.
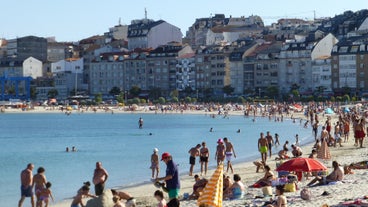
[281, 198]
[267, 178]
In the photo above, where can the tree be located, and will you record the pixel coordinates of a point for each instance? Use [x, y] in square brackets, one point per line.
[154, 93]
[272, 91]
[188, 99]
[135, 91]
[52, 93]
[174, 93]
[33, 93]
[295, 93]
[120, 98]
[188, 90]
[115, 91]
[98, 98]
[294, 87]
[228, 90]
[175, 100]
[346, 90]
[161, 100]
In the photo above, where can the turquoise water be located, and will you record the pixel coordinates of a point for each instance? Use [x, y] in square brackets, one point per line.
[116, 141]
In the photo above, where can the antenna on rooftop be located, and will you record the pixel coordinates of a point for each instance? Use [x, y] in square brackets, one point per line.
[314, 14]
[119, 21]
[145, 13]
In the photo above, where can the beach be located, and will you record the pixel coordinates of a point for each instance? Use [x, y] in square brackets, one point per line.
[354, 186]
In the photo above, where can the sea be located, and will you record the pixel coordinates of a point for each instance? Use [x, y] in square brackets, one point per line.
[117, 142]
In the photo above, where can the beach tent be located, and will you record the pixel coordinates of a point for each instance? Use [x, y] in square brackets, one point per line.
[212, 193]
[329, 111]
[346, 110]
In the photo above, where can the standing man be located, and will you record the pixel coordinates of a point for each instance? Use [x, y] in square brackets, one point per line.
[194, 152]
[262, 147]
[26, 179]
[220, 152]
[270, 142]
[229, 152]
[140, 122]
[172, 176]
[204, 155]
[99, 178]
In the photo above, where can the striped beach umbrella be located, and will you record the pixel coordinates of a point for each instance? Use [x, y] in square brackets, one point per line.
[212, 193]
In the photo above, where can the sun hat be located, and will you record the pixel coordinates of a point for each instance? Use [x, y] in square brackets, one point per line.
[219, 140]
[155, 150]
[165, 155]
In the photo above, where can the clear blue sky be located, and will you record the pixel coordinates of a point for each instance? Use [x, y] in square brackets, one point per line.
[72, 20]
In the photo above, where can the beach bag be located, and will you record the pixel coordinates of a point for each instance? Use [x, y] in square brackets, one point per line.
[267, 191]
[306, 194]
[290, 187]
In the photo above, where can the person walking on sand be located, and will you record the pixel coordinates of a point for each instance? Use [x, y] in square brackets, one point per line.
[204, 155]
[262, 147]
[26, 179]
[220, 152]
[155, 165]
[140, 123]
[270, 142]
[99, 178]
[39, 181]
[172, 176]
[229, 152]
[194, 152]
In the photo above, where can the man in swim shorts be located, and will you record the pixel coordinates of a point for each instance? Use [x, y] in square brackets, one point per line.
[204, 155]
[270, 142]
[194, 152]
[99, 178]
[26, 178]
[262, 147]
[229, 152]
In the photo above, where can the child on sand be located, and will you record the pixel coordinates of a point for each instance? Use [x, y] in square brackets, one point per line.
[45, 194]
[159, 195]
[155, 165]
[78, 198]
[117, 202]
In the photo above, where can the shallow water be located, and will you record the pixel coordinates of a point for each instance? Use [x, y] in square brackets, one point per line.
[116, 141]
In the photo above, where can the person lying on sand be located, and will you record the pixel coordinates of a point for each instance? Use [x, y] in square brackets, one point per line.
[130, 201]
[198, 187]
[336, 175]
[359, 165]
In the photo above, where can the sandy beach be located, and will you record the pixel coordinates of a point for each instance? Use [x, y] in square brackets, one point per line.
[353, 186]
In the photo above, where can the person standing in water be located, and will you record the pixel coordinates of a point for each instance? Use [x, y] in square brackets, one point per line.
[26, 179]
[204, 155]
[155, 165]
[262, 147]
[229, 152]
[194, 152]
[140, 122]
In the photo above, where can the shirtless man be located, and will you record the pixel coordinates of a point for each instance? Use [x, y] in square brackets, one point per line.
[204, 155]
[336, 175]
[26, 179]
[155, 165]
[220, 152]
[270, 142]
[229, 152]
[39, 181]
[194, 152]
[99, 178]
[262, 147]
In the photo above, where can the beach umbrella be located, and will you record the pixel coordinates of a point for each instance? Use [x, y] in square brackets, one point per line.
[346, 109]
[302, 165]
[329, 111]
[324, 152]
[212, 193]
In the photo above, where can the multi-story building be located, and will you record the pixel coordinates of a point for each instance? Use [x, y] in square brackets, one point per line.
[25, 47]
[68, 76]
[321, 74]
[185, 72]
[295, 67]
[32, 68]
[349, 64]
[147, 33]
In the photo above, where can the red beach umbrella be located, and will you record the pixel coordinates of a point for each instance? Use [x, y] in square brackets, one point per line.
[302, 165]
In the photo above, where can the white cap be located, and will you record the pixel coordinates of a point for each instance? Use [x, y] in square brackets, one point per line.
[155, 150]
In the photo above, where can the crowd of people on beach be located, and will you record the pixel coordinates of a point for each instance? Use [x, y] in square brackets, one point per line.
[331, 135]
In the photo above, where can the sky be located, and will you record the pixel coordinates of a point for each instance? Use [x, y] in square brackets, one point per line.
[73, 20]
